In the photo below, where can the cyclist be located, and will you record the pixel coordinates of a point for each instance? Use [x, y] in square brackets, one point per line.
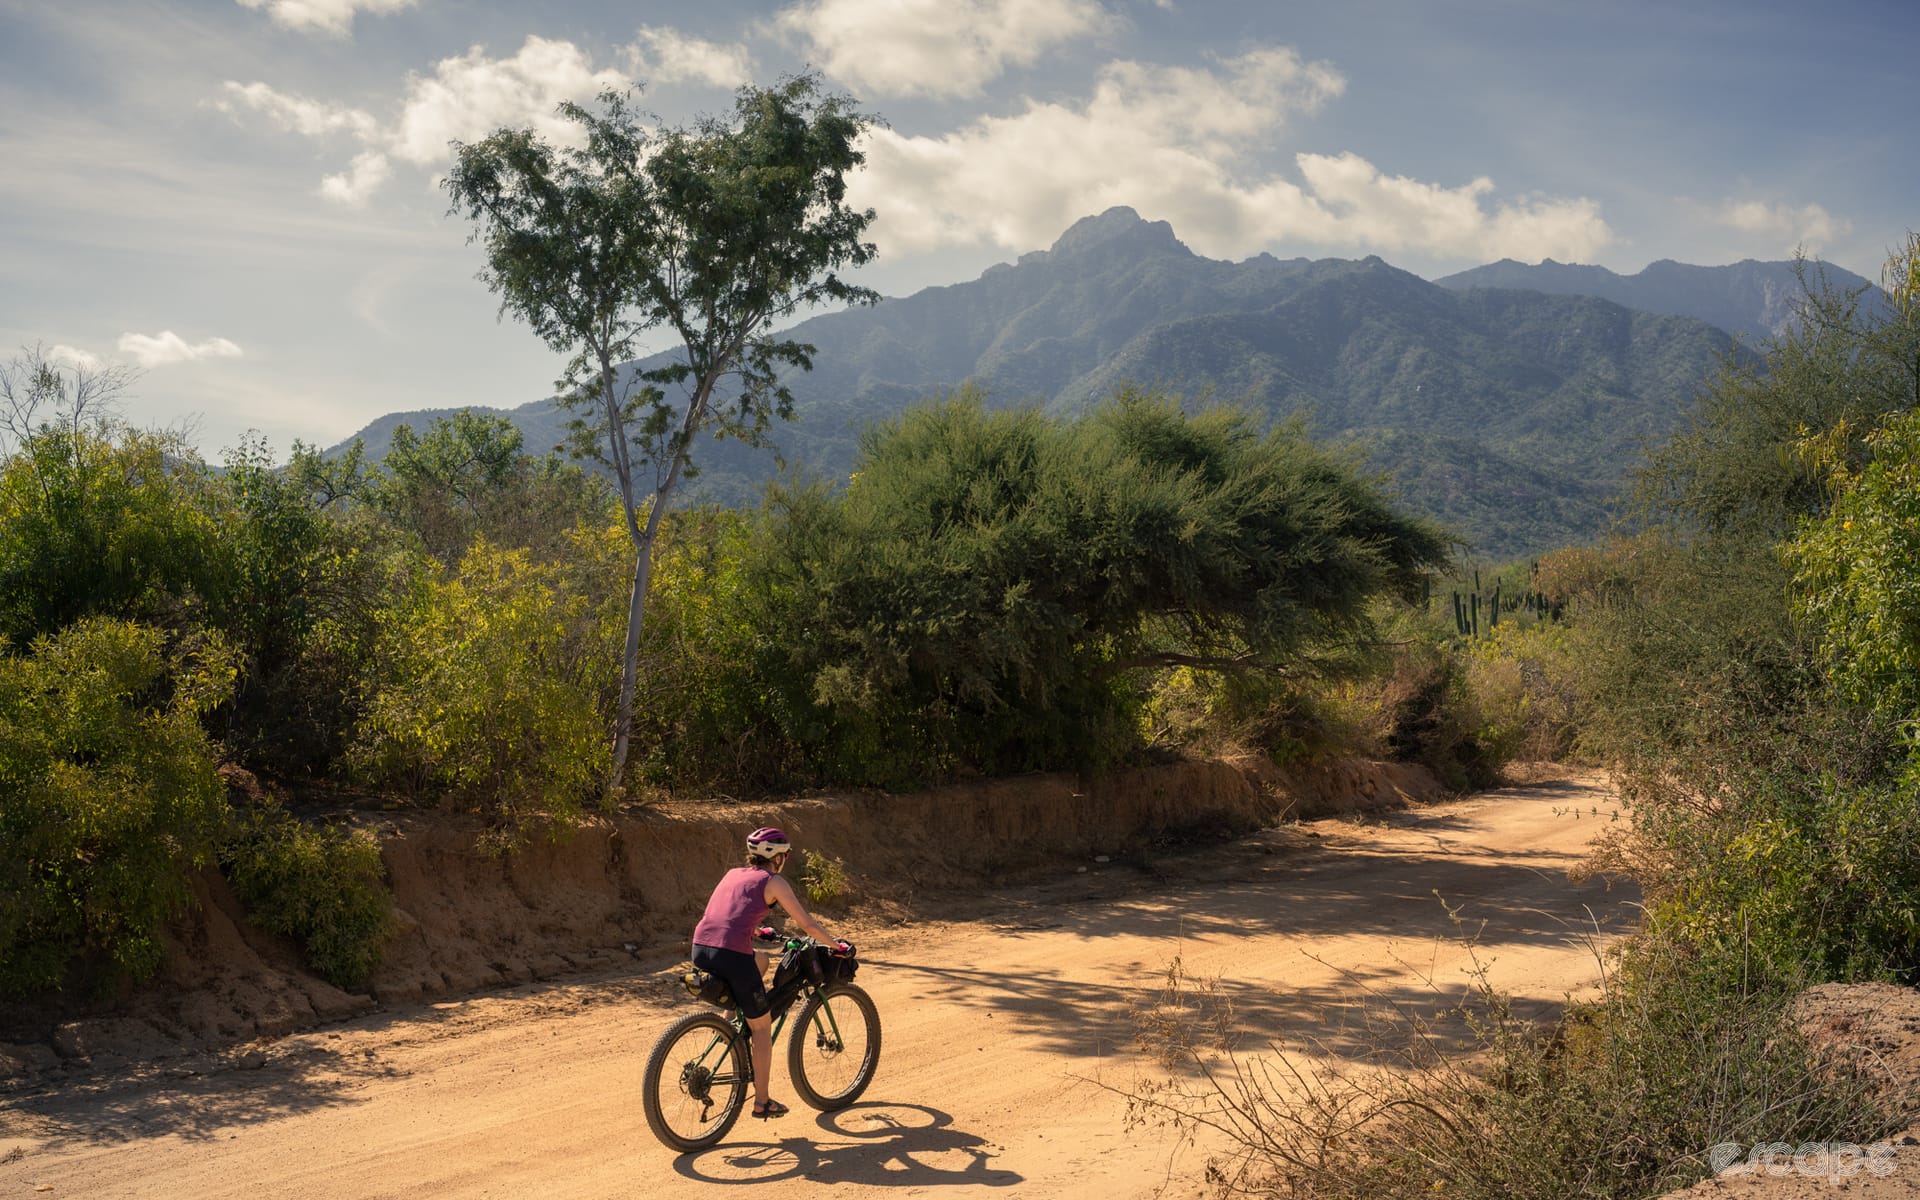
[723, 945]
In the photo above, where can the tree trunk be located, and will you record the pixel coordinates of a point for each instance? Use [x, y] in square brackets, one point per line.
[630, 660]
[643, 540]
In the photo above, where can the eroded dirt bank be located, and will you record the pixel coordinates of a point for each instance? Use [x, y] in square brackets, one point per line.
[1005, 1025]
[468, 920]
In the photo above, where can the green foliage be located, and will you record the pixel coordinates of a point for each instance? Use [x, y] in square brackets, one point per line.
[488, 689]
[97, 520]
[714, 686]
[1857, 571]
[988, 588]
[823, 877]
[1731, 471]
[466, 477]
[1772, 801]
[296, 588]
[320, 885]
[111, 798]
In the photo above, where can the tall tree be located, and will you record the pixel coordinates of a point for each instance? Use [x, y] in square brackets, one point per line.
[714, 232]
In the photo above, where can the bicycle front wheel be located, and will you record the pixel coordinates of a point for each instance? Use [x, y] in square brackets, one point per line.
[835, 1047]
[696, 1081]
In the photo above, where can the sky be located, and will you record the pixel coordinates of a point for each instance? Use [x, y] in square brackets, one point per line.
[240, 202]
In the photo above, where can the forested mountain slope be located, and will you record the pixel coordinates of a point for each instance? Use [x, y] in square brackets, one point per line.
[1508, 414]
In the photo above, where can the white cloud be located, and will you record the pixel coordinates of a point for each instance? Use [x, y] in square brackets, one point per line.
[469, 97]
[295, 114]
[73, 356]
[1177, 144]
[354, 186]
[323, 16]
[936, 47]
[1809, 225]
[167, 347]
[664, 55]
[1351, 202]
[466, 98]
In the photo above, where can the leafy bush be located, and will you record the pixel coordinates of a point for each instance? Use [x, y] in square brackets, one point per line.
[96, 520]
[1857, 569]
[1523, 692]
[823, 877]
[490, 690]
[714, 709]
[466, 478]
[990, 589]
[111, 798]
[320, 885]
[297, 589]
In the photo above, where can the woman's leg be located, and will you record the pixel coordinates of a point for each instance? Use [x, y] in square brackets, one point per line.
[761, 1027]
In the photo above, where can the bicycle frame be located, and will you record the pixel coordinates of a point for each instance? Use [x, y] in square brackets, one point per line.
[807, 990]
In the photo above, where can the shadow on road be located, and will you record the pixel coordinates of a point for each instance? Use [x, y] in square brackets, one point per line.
[876, 1144]
[154, 1100]
[1431, 905]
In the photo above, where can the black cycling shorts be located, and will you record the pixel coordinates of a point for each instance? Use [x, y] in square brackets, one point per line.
[742, 974]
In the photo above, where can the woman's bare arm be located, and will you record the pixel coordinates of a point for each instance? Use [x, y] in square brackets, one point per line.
[781, 892]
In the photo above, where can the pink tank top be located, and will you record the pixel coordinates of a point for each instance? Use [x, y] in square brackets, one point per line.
[738, 904]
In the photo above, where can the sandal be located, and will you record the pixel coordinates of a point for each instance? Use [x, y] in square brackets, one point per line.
[772, 1108]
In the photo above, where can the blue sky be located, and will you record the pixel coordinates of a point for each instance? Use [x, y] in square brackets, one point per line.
[238, 197]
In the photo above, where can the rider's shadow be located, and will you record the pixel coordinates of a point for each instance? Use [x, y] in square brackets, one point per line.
[899, 1145]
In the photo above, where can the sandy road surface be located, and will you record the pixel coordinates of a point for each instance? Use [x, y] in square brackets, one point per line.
[995, 1021]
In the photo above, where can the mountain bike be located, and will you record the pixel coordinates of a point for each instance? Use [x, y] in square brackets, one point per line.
[701, 1070]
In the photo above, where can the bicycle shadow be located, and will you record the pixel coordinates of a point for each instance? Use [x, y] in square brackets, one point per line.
[887, 1145]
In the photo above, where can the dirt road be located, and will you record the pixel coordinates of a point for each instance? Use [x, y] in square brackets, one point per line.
[1001, 1020]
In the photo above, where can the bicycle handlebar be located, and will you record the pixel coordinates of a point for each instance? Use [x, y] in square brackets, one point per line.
[767, 933]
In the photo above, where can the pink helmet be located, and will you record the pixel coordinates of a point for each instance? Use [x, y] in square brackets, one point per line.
[767, 843]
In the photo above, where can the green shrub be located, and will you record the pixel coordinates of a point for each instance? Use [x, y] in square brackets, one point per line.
[1857, 569]
[102, 521]
[320, 885]
[111, 800]
[714, 684]
[822, 877]
[993, 588]
[1522, 692]
[490, 691]
[297, 590]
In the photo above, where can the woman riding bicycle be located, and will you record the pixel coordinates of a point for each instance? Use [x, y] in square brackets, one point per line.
[723, 944]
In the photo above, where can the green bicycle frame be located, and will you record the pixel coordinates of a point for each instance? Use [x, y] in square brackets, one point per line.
[740, 1027]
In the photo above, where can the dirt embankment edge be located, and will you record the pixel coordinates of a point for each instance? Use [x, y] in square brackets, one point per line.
[468, 920]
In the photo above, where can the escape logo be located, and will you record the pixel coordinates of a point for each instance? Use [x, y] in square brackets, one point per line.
[1823, 1160]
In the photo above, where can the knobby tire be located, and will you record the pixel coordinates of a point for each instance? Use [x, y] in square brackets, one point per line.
[675, 1066]
[826, 1076]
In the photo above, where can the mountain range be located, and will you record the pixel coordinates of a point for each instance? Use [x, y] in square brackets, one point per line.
[1751, 299]
[1502, 400]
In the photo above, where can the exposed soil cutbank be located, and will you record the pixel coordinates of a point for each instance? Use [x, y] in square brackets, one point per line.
[467, 919]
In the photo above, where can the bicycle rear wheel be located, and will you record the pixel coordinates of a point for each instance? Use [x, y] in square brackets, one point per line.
[696, 1081]
[835, 1047]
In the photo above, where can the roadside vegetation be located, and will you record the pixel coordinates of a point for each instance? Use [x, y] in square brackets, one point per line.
[1745, 658]
[992, 591]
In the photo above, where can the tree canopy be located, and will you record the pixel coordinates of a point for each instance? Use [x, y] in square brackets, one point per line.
[1012, 569]
[711, 232]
